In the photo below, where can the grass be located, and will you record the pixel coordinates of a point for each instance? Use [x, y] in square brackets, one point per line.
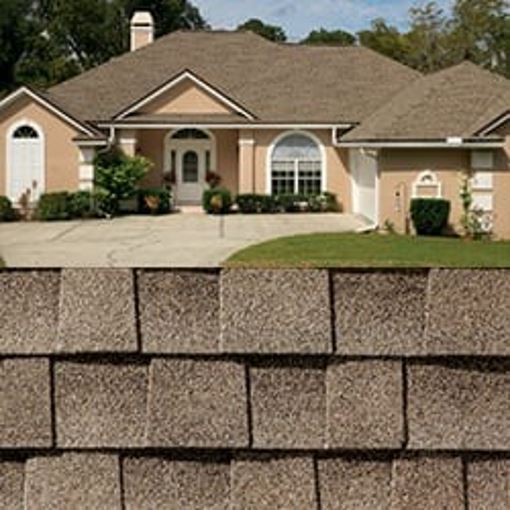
[372, 250]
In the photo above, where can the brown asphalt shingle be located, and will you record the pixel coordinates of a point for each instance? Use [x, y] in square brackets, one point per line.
[179, 311]
[101, 404]
[489, 484]
[25, 403]
[28, 311]
[12, 489]
[165, 484]
[71, 481]
[195, 403]
[280, 311]
[97, 311]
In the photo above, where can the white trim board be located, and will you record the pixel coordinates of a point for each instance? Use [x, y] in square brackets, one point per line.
[180, 125]
[420, 145]
[25, 90]
[186, 75]
[495, 124]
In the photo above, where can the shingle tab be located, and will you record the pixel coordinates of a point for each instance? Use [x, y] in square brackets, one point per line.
[273, 483]
[28, 311]
[101, 404]
[97, 311]
[426, 483]
[365, 404]
[72, 481]
[25, 403]
[468, 312]
[354, 484]
[459, 405]
[489, 484]
[195, 403]
[288, 406]
[160, 484]
[379, 312]
[12, 479]
[179, 311]
[282, 311]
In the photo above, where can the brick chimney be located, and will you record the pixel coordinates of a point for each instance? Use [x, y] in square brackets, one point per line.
[142, 29]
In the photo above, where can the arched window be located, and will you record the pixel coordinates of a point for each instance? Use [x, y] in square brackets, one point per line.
[190, 134]
[25, 172]
[296, 165]
[427, 185]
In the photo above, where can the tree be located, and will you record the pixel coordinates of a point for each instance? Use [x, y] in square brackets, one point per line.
[271, 32]
[323, 36]
[385, 39]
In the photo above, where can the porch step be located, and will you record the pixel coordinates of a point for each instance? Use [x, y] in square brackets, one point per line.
[190, 209]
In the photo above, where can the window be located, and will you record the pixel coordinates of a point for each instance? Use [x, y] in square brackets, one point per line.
[190, 134]
[26, 132]
[190, 167]
[427, 185]
[296, 166]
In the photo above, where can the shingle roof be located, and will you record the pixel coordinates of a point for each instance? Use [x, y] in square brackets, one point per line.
[397, 406]
[456, 102]
[276, 82]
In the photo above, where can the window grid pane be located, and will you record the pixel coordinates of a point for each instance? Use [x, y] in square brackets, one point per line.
[283, 177]
[309, 177]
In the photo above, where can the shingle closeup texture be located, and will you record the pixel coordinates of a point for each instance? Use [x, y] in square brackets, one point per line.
[468, 312]
[196, 403]
[285, 311]
[179, 311]
[489, 484]
[273, 483]
[459, 406]
[25, 405]
[97, 311]
[364, 405]
[379, 312]
[73, 480]
[12, 488]
[288, 406]
[166, 484]
[28, 311]
[101, 404]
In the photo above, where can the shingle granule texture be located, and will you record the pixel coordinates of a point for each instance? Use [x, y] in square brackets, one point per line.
[276, 484]
[28, 311]
[179, 311]
[97, 311]
[329, 390]
[379, 313]
[468, 312]
[364, 405]
[25, 403]
[101, 405]
[197, 404]
[282, 312]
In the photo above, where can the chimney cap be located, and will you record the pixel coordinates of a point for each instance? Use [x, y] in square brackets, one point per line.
[142, 18]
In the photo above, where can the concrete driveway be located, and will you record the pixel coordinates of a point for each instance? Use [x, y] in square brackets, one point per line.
[177, 240]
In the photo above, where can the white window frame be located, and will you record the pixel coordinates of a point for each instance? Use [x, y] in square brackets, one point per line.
[9, 153]
[274, 144]
[434, 182]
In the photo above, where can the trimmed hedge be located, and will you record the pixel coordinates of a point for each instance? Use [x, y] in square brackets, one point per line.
[290, 203]
[53, 207]
[82, 204]
[7, 212]
[217, 201]
[154, 201]
[253, 203]
[430, 215]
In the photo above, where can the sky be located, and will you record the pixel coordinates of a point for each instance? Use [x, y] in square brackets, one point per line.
[299, 17]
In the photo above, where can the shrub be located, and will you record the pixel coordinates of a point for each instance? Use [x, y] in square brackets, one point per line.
[430, 215]
[7, 212]
[53, 206]
[325, 202]
[291, 203]
[82, 204]
[217, 201]
[252, 203]
[154, 201]
[118, 176]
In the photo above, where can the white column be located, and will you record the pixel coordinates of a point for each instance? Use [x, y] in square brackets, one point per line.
[246, 162]
[86, 167]
[127, 140]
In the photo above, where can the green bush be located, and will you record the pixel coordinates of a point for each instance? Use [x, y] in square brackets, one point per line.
[430, 215]
[325, 202]
[82, 204]
[53, 206]
[217, 201]
[118, 176]
[154, 201]
[252, 203]
[7, 212]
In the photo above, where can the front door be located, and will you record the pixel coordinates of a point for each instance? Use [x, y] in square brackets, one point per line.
[190, 175]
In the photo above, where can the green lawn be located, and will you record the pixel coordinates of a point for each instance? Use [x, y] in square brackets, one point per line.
[372, 250]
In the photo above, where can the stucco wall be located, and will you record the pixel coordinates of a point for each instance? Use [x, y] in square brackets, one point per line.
[61, 153]
[399, 168]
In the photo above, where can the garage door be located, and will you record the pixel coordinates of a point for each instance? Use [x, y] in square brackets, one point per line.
[364, 179]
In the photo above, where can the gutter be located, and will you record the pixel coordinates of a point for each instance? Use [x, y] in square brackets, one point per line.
[447, 143]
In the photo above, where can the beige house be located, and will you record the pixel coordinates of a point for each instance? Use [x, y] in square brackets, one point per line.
[269, 118]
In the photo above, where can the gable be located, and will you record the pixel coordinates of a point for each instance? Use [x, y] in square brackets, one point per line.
[184, 98]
